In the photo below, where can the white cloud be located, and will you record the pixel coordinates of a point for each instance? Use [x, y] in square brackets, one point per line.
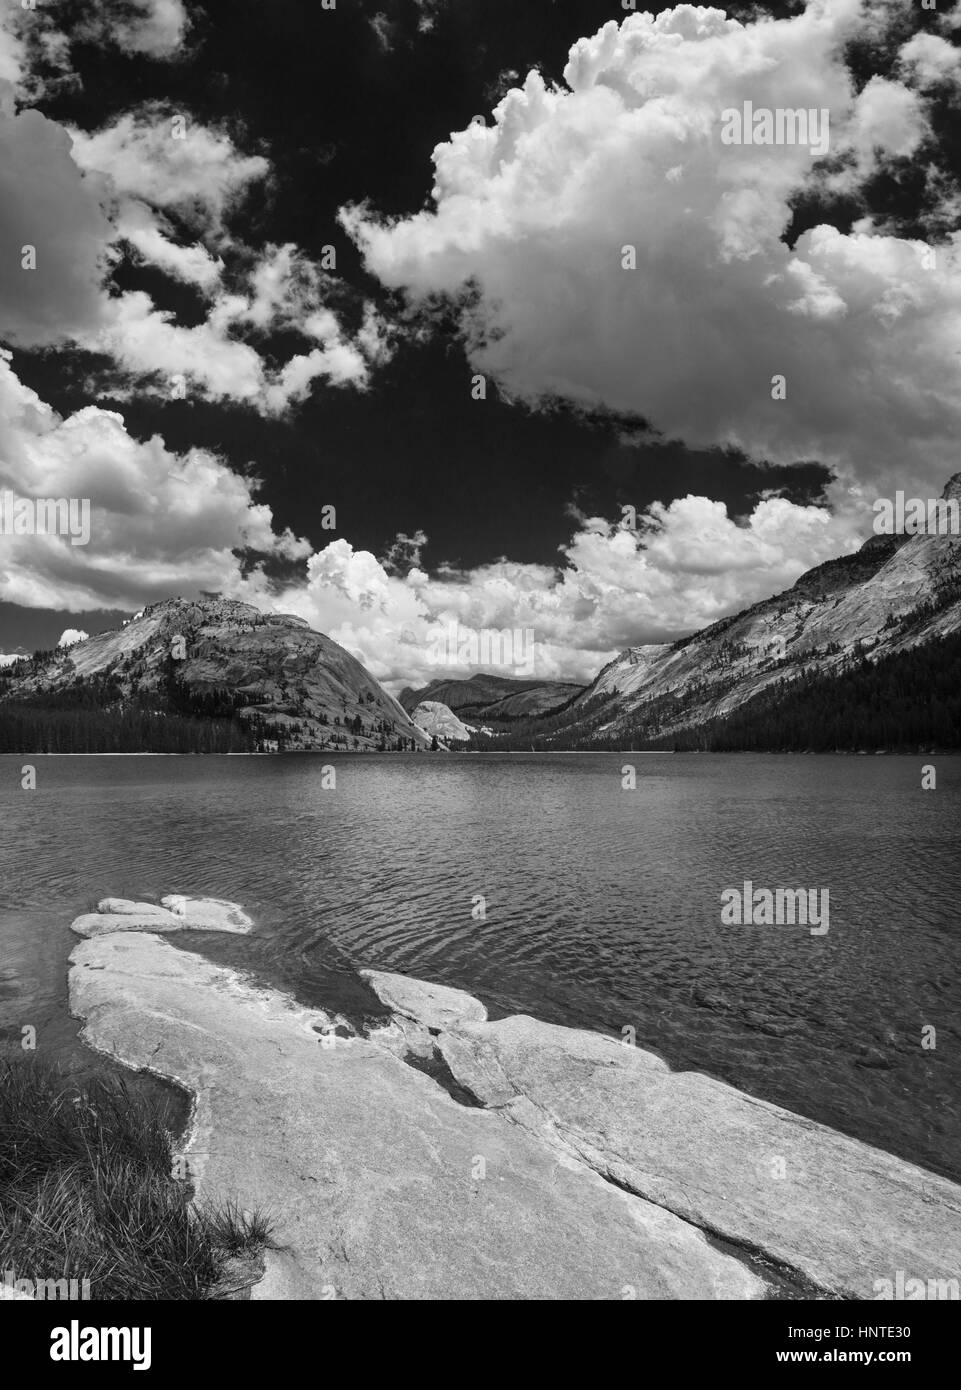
[210, 359]
[930, 60]
[71, 636]
[151, 237]
[11, 63]
[689, 565]
[160, 523]
[200, 173]
[531, 214]
[888, 119]
[156, 28]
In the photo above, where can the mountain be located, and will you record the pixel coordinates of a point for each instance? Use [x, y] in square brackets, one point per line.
[488, 698]
[437, 721]
[214, 675]
[897, 594]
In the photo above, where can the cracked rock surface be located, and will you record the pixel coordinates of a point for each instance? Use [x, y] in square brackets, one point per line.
[380, 1185]
[585, 1169]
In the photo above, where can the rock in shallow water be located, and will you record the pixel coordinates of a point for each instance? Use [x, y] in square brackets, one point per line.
[435, 1006]
[176, 914]
[104, 923]
[128, 908]
[208, 914]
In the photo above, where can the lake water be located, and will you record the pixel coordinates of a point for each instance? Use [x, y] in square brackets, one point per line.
[602, 910]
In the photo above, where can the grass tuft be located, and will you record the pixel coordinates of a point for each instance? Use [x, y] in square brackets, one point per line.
[86, 1192]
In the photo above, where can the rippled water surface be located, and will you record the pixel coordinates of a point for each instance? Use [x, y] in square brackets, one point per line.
[602, 905]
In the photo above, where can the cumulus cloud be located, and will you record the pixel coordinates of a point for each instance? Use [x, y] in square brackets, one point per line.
[71, 636]
[160, 523]
[887, 119]
[931, 61]
[688, 564]
[532, 214]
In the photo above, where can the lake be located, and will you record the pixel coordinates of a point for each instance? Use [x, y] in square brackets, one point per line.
[538, 883]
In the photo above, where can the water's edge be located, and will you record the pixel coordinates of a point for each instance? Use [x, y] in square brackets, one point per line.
[726, 1195]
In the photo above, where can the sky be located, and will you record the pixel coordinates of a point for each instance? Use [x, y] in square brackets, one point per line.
[411, 313]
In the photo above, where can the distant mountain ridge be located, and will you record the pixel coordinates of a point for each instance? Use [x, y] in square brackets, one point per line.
[487, 697]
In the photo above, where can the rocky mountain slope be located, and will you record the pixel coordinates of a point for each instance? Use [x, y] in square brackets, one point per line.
[484, 697]
[896, 593]
[287, 685]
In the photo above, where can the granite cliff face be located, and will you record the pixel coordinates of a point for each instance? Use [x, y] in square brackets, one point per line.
[296, 687]
[437, 721]
[896, 592]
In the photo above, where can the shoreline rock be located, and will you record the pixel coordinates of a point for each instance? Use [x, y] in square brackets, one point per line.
[446, 1156]
[175, 913]
[380, 1185]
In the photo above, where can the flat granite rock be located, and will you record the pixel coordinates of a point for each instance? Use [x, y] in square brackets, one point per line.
[841, 1213]
[103, 923]
[126, 907]
[379, 1184]
[208, 914]
[176, 914]
[435, 1006]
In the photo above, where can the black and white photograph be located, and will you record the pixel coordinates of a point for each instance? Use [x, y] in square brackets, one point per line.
[480, 670]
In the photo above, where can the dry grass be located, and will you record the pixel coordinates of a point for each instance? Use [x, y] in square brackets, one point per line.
[86, 1192]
